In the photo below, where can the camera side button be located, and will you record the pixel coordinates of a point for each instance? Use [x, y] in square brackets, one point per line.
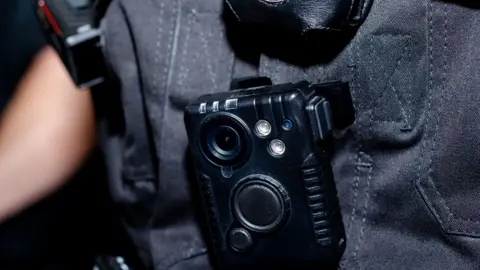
[215, 106]
[203, 108]
[240, 240]
[231, 104]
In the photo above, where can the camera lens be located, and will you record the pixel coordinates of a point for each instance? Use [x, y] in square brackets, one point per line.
[225, 140]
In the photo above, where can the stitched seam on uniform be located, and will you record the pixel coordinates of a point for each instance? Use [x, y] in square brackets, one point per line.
[169, 55]
[187, 69]
[369, 75]
[388, 78]
[354, 188]
[428, 107]
[173, 49]
[232, 69]
[467, 231]
[155, 85]
[183, 70]
[213, 76]
[427, 113]
[404, 113]
[165, 94]
[437, 122]
[451, 214]
[432, 206]
[428, 202]
[369, 175]
[355, 160]
[358, 145]
[408, 93]
[156, 58]
[364, 214]
[358, 149]
[171, 39]
[353, 71]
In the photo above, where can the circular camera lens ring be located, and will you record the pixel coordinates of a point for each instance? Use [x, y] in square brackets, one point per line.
[213, 152]
[220, 142]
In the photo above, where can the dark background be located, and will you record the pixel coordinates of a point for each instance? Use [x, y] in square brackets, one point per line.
[55, 233]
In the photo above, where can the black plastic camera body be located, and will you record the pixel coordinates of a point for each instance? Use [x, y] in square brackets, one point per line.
[262, 156]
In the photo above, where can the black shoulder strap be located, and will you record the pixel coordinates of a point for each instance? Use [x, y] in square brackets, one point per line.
[100, 8]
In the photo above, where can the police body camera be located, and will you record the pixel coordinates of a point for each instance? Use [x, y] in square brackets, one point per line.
[262, 155]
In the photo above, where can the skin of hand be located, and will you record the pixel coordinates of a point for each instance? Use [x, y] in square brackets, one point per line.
[46, 133]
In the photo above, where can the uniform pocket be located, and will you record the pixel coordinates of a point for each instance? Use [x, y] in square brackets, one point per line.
[450, 184]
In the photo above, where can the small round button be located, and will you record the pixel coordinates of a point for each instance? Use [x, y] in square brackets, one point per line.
[240, 240]
[287, 125]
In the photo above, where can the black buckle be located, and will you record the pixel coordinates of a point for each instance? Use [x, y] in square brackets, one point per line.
[337, 93]
[302, 16]
[70, 27]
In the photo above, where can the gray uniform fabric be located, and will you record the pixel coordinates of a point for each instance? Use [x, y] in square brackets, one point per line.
[406, 171]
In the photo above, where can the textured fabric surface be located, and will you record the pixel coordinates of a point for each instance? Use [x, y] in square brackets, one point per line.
[405, 171]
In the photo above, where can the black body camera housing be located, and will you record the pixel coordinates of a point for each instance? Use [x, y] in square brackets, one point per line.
[262, 157]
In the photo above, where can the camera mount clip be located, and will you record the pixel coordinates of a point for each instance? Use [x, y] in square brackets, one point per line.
[337, 93]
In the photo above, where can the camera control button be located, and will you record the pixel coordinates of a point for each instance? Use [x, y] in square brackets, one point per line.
[261, 206]
[240, 240]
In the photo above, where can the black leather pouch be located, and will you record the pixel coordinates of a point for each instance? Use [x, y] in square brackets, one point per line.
[304, 31]
[302, 16]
